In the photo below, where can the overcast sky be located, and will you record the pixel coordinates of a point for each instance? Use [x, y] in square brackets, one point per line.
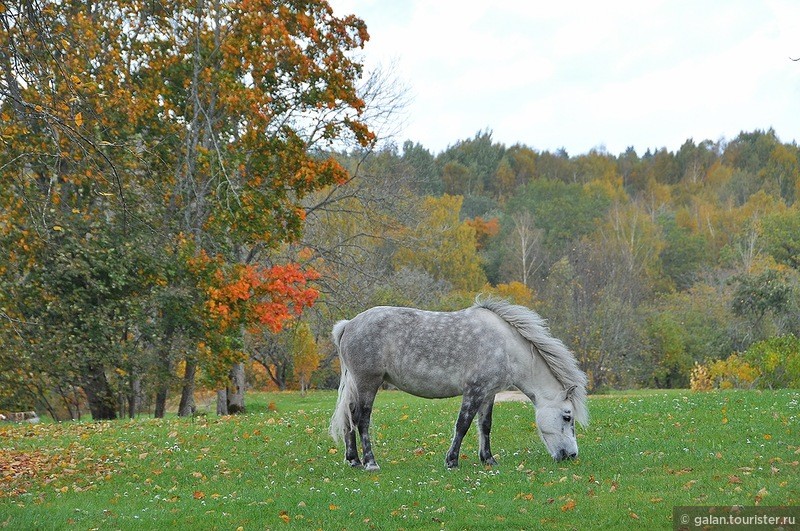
[587, 74]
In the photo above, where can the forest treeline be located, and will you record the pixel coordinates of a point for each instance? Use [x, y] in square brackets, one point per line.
[645, 265]
[201, 205]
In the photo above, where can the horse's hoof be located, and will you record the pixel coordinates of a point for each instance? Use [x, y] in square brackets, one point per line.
[451, 464]
[490, 462]
[355, 463]
[371, 467]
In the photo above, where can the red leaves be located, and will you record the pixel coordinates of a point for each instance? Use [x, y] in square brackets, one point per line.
[249, 295]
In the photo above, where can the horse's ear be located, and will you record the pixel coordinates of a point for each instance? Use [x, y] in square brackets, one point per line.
[569, 391]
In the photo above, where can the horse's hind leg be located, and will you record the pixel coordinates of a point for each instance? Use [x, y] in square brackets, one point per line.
[351, 449]
[484, 427]
[366, 398]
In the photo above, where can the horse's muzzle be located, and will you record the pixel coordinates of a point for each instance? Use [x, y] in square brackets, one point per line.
[562, 455]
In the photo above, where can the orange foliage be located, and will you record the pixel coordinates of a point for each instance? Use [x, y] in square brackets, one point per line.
[243, 295]
[484, 229]
[515, 292]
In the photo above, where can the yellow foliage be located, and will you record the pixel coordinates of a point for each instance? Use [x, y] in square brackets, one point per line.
[444, 246]
[731, 373]
[700, 380]
[515, 292]
[306, 355]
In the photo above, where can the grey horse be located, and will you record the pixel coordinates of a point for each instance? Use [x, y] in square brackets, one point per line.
[475, 352]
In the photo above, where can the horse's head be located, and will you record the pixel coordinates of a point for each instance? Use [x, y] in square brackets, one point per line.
[556, 422]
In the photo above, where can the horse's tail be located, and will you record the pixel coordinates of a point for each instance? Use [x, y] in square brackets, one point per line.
[342, 419]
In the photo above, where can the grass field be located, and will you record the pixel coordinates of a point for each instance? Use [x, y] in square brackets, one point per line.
[276, 467]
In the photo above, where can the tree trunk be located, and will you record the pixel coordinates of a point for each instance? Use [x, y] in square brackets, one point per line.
[134, 397]
[161, 400]
[101, 399]
[230, 401]
[164, 376]
[222, 402]
[186, 407]
[303, 386]
[236, 391]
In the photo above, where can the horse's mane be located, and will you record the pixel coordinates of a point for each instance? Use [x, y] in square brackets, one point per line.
[559, 358]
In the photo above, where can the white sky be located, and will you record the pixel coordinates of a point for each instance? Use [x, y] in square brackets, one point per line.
[586, 74]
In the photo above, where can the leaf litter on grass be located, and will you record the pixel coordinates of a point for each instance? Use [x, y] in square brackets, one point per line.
[636, 458]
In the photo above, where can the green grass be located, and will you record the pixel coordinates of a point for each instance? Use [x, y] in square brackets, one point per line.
[643, 453]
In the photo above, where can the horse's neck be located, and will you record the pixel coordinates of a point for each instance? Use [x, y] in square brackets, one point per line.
[535, 379]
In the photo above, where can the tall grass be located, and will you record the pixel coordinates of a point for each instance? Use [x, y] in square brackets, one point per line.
[276, 467]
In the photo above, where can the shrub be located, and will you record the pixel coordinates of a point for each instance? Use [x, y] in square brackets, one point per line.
[778, 361]
[734, 372]
[700, 379]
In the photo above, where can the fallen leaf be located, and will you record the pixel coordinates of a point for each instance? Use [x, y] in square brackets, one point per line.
[79, 119]
[570, 505]
[199, 495]
[283, 515]
[634, 515]
[734, 479]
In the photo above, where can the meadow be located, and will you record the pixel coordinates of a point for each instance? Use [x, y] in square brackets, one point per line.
[276, 467]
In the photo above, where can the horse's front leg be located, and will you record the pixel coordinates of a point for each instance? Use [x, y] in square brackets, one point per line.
[484, 427]
[469, 407]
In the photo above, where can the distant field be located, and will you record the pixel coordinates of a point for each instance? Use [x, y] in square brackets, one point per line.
[276, 467]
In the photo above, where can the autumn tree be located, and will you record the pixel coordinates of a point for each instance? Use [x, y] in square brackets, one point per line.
[306, 356]
[208, 138]
[444, 246]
